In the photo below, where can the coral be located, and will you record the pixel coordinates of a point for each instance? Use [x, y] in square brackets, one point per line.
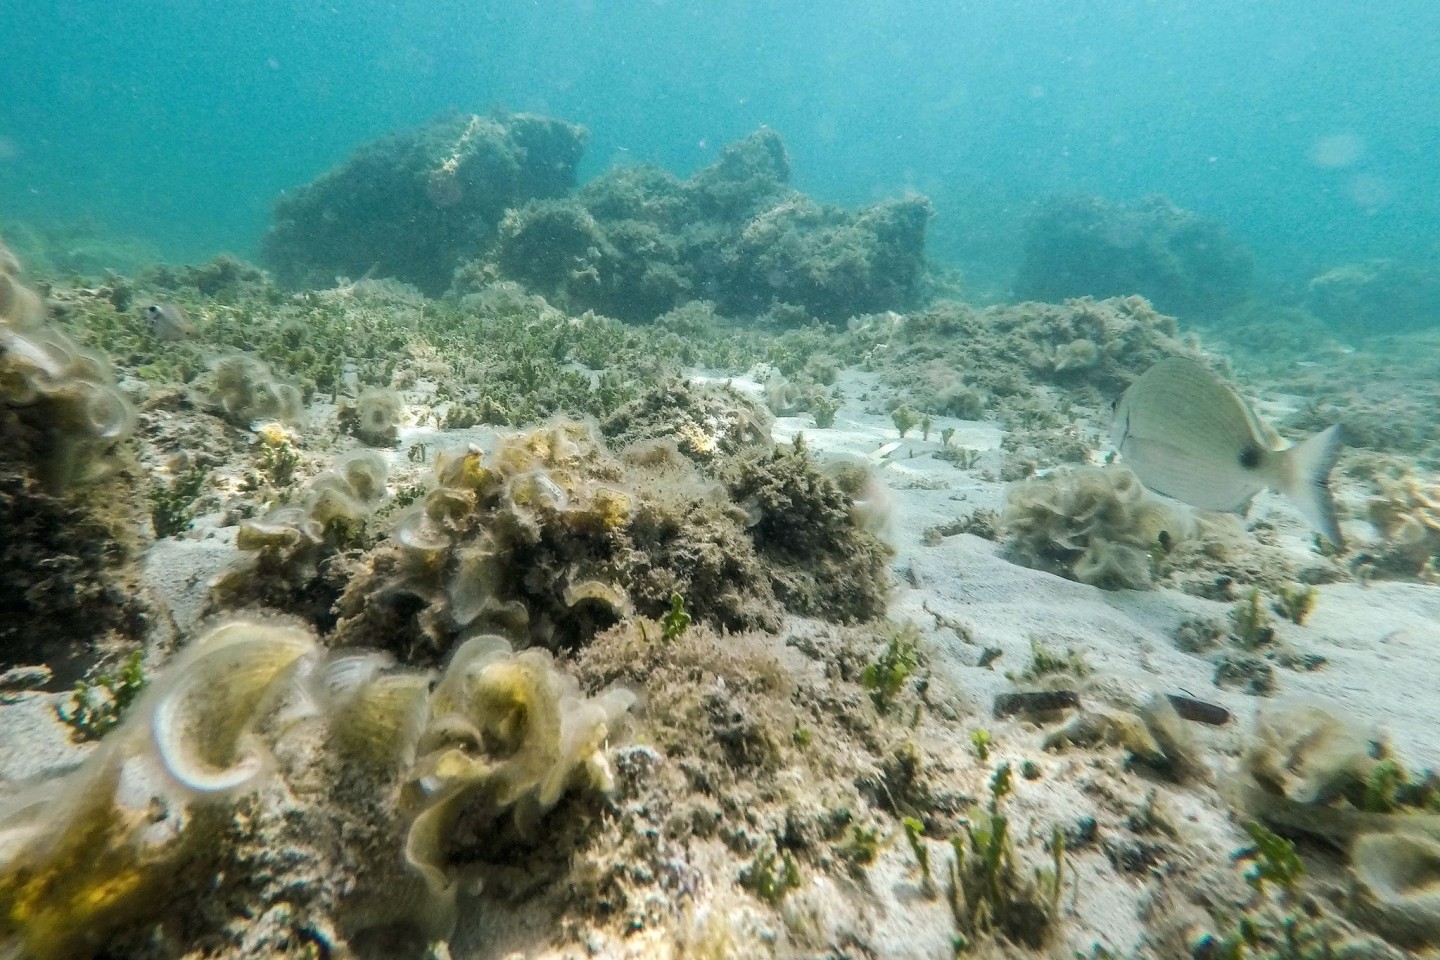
[1375, 297]
[374, 417]
[241, 389]
[1181, 262]
[1096, 525]
[415, 203]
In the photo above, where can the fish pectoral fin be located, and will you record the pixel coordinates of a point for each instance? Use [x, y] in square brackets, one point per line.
[1305, 480]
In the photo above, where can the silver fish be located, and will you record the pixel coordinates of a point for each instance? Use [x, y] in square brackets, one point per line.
[169, 322]
[1186, 434]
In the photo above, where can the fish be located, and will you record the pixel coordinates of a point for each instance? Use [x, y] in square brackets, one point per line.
[169, 322]
[1186, 434]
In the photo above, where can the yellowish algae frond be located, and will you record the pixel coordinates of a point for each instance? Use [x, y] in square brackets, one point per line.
[85, 857]
[78, 859]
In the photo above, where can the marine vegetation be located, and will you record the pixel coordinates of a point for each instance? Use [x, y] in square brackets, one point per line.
[1097, 525]
[491, 749]
[552, 537]
[374, 417]
[96, 706]
[990, 894]
[62, 417]
[241, 389]
[68, 498]
[949, 358]
[81, 860]
[891, 670]
[1309, 773]
[1278, 925]
[1406, 511]
[291, 552]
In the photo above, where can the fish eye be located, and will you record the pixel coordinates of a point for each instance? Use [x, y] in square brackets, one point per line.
[1250, 457]
[153, 308]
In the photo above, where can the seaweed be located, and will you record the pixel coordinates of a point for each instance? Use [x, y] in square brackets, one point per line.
[887, 676]
[772, 874]
[172, 505]
[96, 707]
[989, 896]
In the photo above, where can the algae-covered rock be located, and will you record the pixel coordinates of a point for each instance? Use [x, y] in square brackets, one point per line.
[415, 205]
[291, 552]
[1376, 297]
[636, 242]
[1085, 246]
[824, 562]
[703, 421]
[61, 413]
[149, 837]
[85, 856]
[552, 538]
[1406, 511]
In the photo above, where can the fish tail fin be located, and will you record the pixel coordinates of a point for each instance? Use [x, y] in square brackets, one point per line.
[1307, 480]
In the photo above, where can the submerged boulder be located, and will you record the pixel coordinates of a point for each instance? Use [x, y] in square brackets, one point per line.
[1376, 296]
[414, 205]
[637, 242]
[1186, 265]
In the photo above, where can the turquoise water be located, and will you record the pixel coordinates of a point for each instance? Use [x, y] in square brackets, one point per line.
[1311, 130]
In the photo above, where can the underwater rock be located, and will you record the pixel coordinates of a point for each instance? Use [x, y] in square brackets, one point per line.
[414, 205]
[703, 421]
[1376, 297]
[825, 563]
[637, 242]
[1085, 246]
[1097, 525]
[552, 538]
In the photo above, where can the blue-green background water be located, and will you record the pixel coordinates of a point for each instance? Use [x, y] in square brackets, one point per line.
[1310, 128]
